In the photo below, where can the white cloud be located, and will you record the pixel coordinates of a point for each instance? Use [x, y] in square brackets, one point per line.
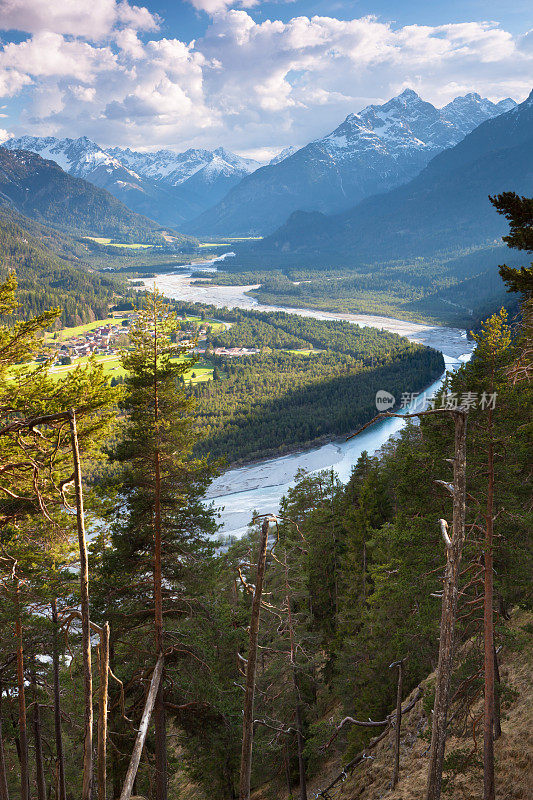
[92, 20]
[247, 85]
[214, 7]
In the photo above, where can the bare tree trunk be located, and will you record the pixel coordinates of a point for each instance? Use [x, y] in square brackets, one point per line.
[39, 763]
[102, 711]
[398, 724]
[248, 720]
[87, 781]
[497, 712]
[143, 730]
[4, 792]
[62, 791]
[299, 725]
[454, 548]
[300, 742]
[489, 790]
[161, 780]
[23, 732]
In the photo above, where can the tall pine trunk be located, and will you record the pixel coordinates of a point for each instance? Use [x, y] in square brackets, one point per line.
[62, 791]
[489, 790]
[449, 612]
[251, 666]
[299, 722]
[87, 780]
[37, 738]
[161, 780]
[23, 731]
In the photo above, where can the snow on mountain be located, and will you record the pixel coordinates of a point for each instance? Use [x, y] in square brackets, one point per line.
[168, 186]
[176, 168]
[467, 112]
[216, 191]
[285, 153]
[370, 152]
[83, 159]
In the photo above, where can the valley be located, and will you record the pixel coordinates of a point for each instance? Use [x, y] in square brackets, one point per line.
[266, 391]
[261, 486]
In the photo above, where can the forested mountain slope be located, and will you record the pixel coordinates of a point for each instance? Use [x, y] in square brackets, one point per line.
[41, 190]
[47, 279]
[443, 208]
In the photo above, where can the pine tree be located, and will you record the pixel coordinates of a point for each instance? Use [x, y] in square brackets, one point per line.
[160, 523]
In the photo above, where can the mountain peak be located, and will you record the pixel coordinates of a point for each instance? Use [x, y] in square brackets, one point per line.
[408, 94]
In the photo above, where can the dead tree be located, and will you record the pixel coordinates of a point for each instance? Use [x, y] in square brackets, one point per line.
[87, 780]
[454, 548]
[103, 663]
[489, 788]
[398, 722]
[143, 730]
[299, 725]
[248, 717]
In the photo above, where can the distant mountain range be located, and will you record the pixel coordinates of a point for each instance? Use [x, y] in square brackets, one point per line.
[40, 189]
[166, 186]
[445, 207]
[375, 150]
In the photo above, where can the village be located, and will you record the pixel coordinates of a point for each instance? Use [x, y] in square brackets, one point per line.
[108, 338]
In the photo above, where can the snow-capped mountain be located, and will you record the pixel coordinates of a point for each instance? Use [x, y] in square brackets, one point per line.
[444, 208]
[370, 152]
[285, 153]
[177, 168]
[467, 112]
[79, 157]
[167, 186]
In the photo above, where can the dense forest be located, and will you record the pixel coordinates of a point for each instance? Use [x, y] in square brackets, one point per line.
[455, 288]
[51, 275]
[271, 402]
[142, 656]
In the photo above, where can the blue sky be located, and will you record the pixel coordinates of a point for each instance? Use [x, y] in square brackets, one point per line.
[249, 75]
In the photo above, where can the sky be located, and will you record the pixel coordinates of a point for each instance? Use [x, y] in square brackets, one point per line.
[250, 75]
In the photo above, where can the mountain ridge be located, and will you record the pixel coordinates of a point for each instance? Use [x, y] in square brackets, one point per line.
[164, 185]
[40, 189]
[368, 153]
[446, 205]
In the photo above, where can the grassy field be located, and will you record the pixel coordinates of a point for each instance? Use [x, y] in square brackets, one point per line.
[114, 369]
[78, 330]
[109, 243]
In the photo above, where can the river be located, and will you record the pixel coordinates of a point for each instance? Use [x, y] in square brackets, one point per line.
[259, 487]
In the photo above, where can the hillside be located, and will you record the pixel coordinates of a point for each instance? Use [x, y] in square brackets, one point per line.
[49, 274]
[370, 778]
[372, 151]
[40, 189]
[443, 208]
